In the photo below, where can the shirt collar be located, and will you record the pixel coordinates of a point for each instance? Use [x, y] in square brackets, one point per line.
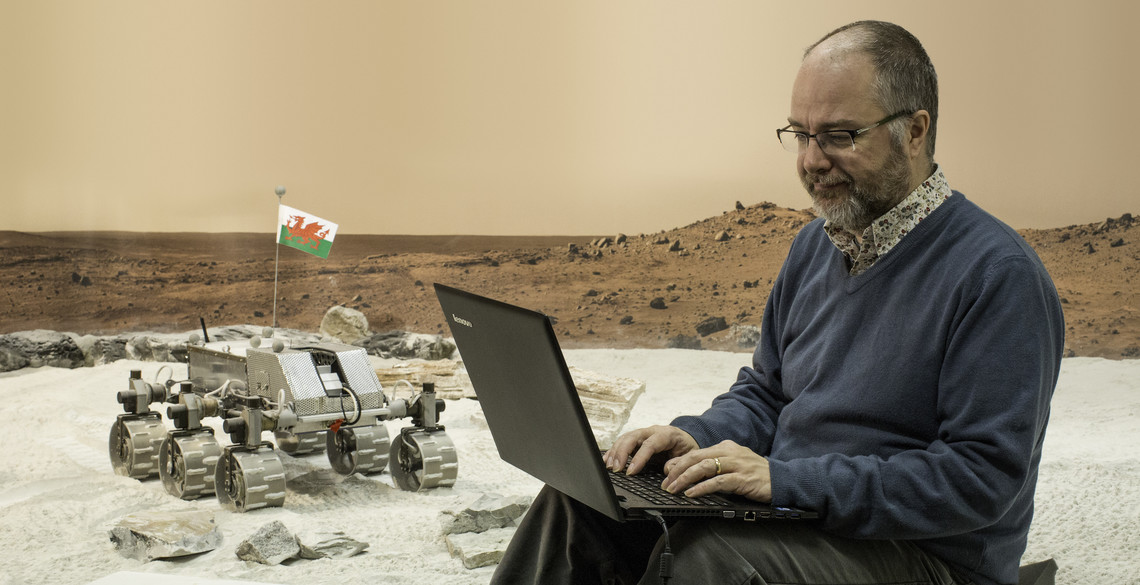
[889, 229]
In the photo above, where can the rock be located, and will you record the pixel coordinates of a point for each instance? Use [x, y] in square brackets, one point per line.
[657, 303]
[147, 348]
[45, 348]
[739, 206]
[272, 544]
[746, 335]
[488, 512]
[11, 359]
[345, 324]
[105, 351]
[607, 401]
[449, 376]
[721, 236]
[480, 549]
[323, 544]
[627, 320]
[683, 342]
[711, 325]
[675, 246]
[1116, 243]
[147, 536]
[402, 344]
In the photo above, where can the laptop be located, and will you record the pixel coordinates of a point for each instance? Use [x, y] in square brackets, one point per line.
[538, 424]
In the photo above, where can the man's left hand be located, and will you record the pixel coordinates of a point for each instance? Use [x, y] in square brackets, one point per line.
[725, 467]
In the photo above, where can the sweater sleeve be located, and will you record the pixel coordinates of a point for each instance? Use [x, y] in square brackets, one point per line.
[994, 389]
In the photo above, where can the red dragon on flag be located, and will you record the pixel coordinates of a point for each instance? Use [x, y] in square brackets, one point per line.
[305, 231]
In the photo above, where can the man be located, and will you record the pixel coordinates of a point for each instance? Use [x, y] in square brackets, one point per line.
[901, 387]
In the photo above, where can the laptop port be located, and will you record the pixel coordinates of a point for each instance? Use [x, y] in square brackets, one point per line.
[750, 516]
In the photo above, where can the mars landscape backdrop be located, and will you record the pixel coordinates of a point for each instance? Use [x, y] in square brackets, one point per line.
[612, 291]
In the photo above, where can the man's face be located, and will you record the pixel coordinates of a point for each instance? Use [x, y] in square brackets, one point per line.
[848, 188]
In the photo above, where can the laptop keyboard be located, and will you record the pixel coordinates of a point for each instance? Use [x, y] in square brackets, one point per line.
[647, 484]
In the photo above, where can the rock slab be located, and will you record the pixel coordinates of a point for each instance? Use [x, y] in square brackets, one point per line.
[324, 544]
[146, 536]
[480, 549]
[272, 544]
[490, 511]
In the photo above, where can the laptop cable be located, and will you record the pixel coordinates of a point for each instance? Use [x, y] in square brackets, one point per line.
[665, 568]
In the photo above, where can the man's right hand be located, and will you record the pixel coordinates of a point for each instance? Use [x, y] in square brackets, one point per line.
[643, 444]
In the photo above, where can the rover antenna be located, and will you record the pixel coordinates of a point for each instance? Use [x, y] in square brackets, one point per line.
[280, 191]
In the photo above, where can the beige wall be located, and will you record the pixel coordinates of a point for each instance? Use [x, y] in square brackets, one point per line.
[523, 117]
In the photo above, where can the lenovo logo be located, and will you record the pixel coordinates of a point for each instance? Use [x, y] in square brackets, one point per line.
[461, 321]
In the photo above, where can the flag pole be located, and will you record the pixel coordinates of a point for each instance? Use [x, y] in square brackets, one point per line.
[280, 190]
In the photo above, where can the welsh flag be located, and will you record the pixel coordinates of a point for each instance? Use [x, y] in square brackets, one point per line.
[304, 231]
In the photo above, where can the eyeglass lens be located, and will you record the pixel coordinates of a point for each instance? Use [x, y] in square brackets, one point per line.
[829, 142]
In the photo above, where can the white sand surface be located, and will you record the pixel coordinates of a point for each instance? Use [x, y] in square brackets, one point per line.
[59, 496]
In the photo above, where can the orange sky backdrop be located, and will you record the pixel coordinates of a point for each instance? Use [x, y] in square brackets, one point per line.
[523, 117]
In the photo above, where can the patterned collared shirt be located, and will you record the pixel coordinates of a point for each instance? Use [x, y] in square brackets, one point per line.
[888, 230]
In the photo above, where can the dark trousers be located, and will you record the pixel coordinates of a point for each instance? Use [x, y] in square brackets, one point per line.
[563, 541]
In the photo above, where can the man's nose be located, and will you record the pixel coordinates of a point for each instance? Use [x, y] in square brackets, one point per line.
[813, 159]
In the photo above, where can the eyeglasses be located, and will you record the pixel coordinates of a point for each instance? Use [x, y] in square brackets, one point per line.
[830, 141]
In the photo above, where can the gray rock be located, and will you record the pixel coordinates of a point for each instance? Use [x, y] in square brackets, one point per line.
[161, 535]
[106, 350]
[402, 344]
[345, 324]
[148, 348]
[489, 511]
[480, 549]
[11, 356]
[46, 348]
[747, 336]
[323, 544]
[711, 325]
[683, 342]
[272, 544]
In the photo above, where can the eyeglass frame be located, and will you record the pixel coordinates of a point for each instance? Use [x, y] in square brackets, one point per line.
[852, 133]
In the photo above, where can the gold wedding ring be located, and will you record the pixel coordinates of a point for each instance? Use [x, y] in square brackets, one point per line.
[716, 460]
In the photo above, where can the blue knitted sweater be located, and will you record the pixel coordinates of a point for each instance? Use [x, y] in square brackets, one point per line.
[910, 401]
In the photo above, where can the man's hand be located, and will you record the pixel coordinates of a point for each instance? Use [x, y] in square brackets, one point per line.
[725, 467]
[643, 444]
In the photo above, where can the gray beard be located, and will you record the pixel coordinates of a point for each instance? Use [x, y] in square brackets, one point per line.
[865, 203]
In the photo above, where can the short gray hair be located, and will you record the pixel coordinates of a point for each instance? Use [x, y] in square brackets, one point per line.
[905, 80]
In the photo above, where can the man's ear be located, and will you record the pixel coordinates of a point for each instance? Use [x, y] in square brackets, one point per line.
[918, 133]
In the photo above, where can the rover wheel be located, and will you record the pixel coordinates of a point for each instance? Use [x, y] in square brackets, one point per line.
[300, 444]
[423, 460]
[187, 464]
[358, 449]
[134, 445]
[248, 480]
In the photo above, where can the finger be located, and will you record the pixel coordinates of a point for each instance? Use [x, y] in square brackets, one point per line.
[677, 466]
[682, 476]
[652, 445]
[717, 483]
[616, 457]
[659, 439]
